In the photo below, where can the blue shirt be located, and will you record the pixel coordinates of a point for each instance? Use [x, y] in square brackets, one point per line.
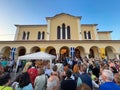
[86, 79]
[109, 86]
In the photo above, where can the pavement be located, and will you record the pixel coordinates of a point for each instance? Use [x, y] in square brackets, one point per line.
[14, 75]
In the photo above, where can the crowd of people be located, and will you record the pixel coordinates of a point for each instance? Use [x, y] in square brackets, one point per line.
[65, 74]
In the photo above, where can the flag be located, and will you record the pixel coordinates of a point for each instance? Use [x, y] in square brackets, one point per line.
[72, 51]
[12, 53]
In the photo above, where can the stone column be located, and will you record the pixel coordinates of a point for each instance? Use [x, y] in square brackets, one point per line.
[117, 56]
[87, 55]
[48, 30]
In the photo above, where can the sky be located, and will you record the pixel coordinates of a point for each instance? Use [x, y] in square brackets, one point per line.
[105, 13]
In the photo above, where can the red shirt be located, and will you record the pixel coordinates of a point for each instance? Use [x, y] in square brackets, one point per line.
[33, 72]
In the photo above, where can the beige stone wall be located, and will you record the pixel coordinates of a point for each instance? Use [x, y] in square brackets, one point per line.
[68, 21]
[104, 36]
[33, 31]
[90, 28]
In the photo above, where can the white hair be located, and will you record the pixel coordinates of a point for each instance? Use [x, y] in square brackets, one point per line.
[108, 74]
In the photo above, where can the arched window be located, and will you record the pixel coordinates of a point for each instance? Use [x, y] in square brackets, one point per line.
[85, 35]
[39, 35]
[63, 31]
[24, 35]
[89, 35]
[43, 35]
[58, 32]
[68, 32]
[28, 34]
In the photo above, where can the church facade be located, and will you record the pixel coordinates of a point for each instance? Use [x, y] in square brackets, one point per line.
[62, 35]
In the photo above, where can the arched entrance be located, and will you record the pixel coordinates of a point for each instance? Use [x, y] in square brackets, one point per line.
[109, 52]
[79, 51]
[6, 52]
[94, 52]
[35, 49]
[21, 51]
[64, 51]
[51, 50]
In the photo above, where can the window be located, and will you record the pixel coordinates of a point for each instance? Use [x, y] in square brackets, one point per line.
[43, 35]
[28, 35]
[89, 35]
[24, 35]
[58, 32]
[68, 32]
[63, 31]
[85, 35]
[39, 35]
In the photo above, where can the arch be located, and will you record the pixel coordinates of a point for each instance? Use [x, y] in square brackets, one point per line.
[34, 49]
[79, 51]
[64, 51]
[94, 52]
[21, 50]
[109, 52]
[51, 50]
[6, 52]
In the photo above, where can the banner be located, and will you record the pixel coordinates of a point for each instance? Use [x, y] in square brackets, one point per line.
[43, 49]
[102, 53]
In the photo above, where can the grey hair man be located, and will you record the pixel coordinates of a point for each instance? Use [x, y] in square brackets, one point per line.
[107, 75]
[108, 84]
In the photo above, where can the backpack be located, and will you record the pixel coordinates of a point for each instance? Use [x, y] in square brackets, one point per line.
[77, 79]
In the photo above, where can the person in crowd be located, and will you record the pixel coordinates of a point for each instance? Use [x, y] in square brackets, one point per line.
[84, 86]
[24, 82]
[5, 81]
[76, 75]
[41, 80]
[68, 83]
[56, 71]
[102, 67]
[94, 81]
[19, 66]
[95, 70]
[85, 77]
[113, 69]
[15, 83]
[63, 73]
[117, 78]
[10, 65]
[27, 65]
[107, 76]
[48, 70]
[4, 62]
[33, 73]
[53, 82]
[59, 66]
[1, 70]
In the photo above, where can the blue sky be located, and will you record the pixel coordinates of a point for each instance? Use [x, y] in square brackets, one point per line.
[105, 13]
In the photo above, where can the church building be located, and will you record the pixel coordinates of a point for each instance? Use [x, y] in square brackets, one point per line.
[63, 34]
